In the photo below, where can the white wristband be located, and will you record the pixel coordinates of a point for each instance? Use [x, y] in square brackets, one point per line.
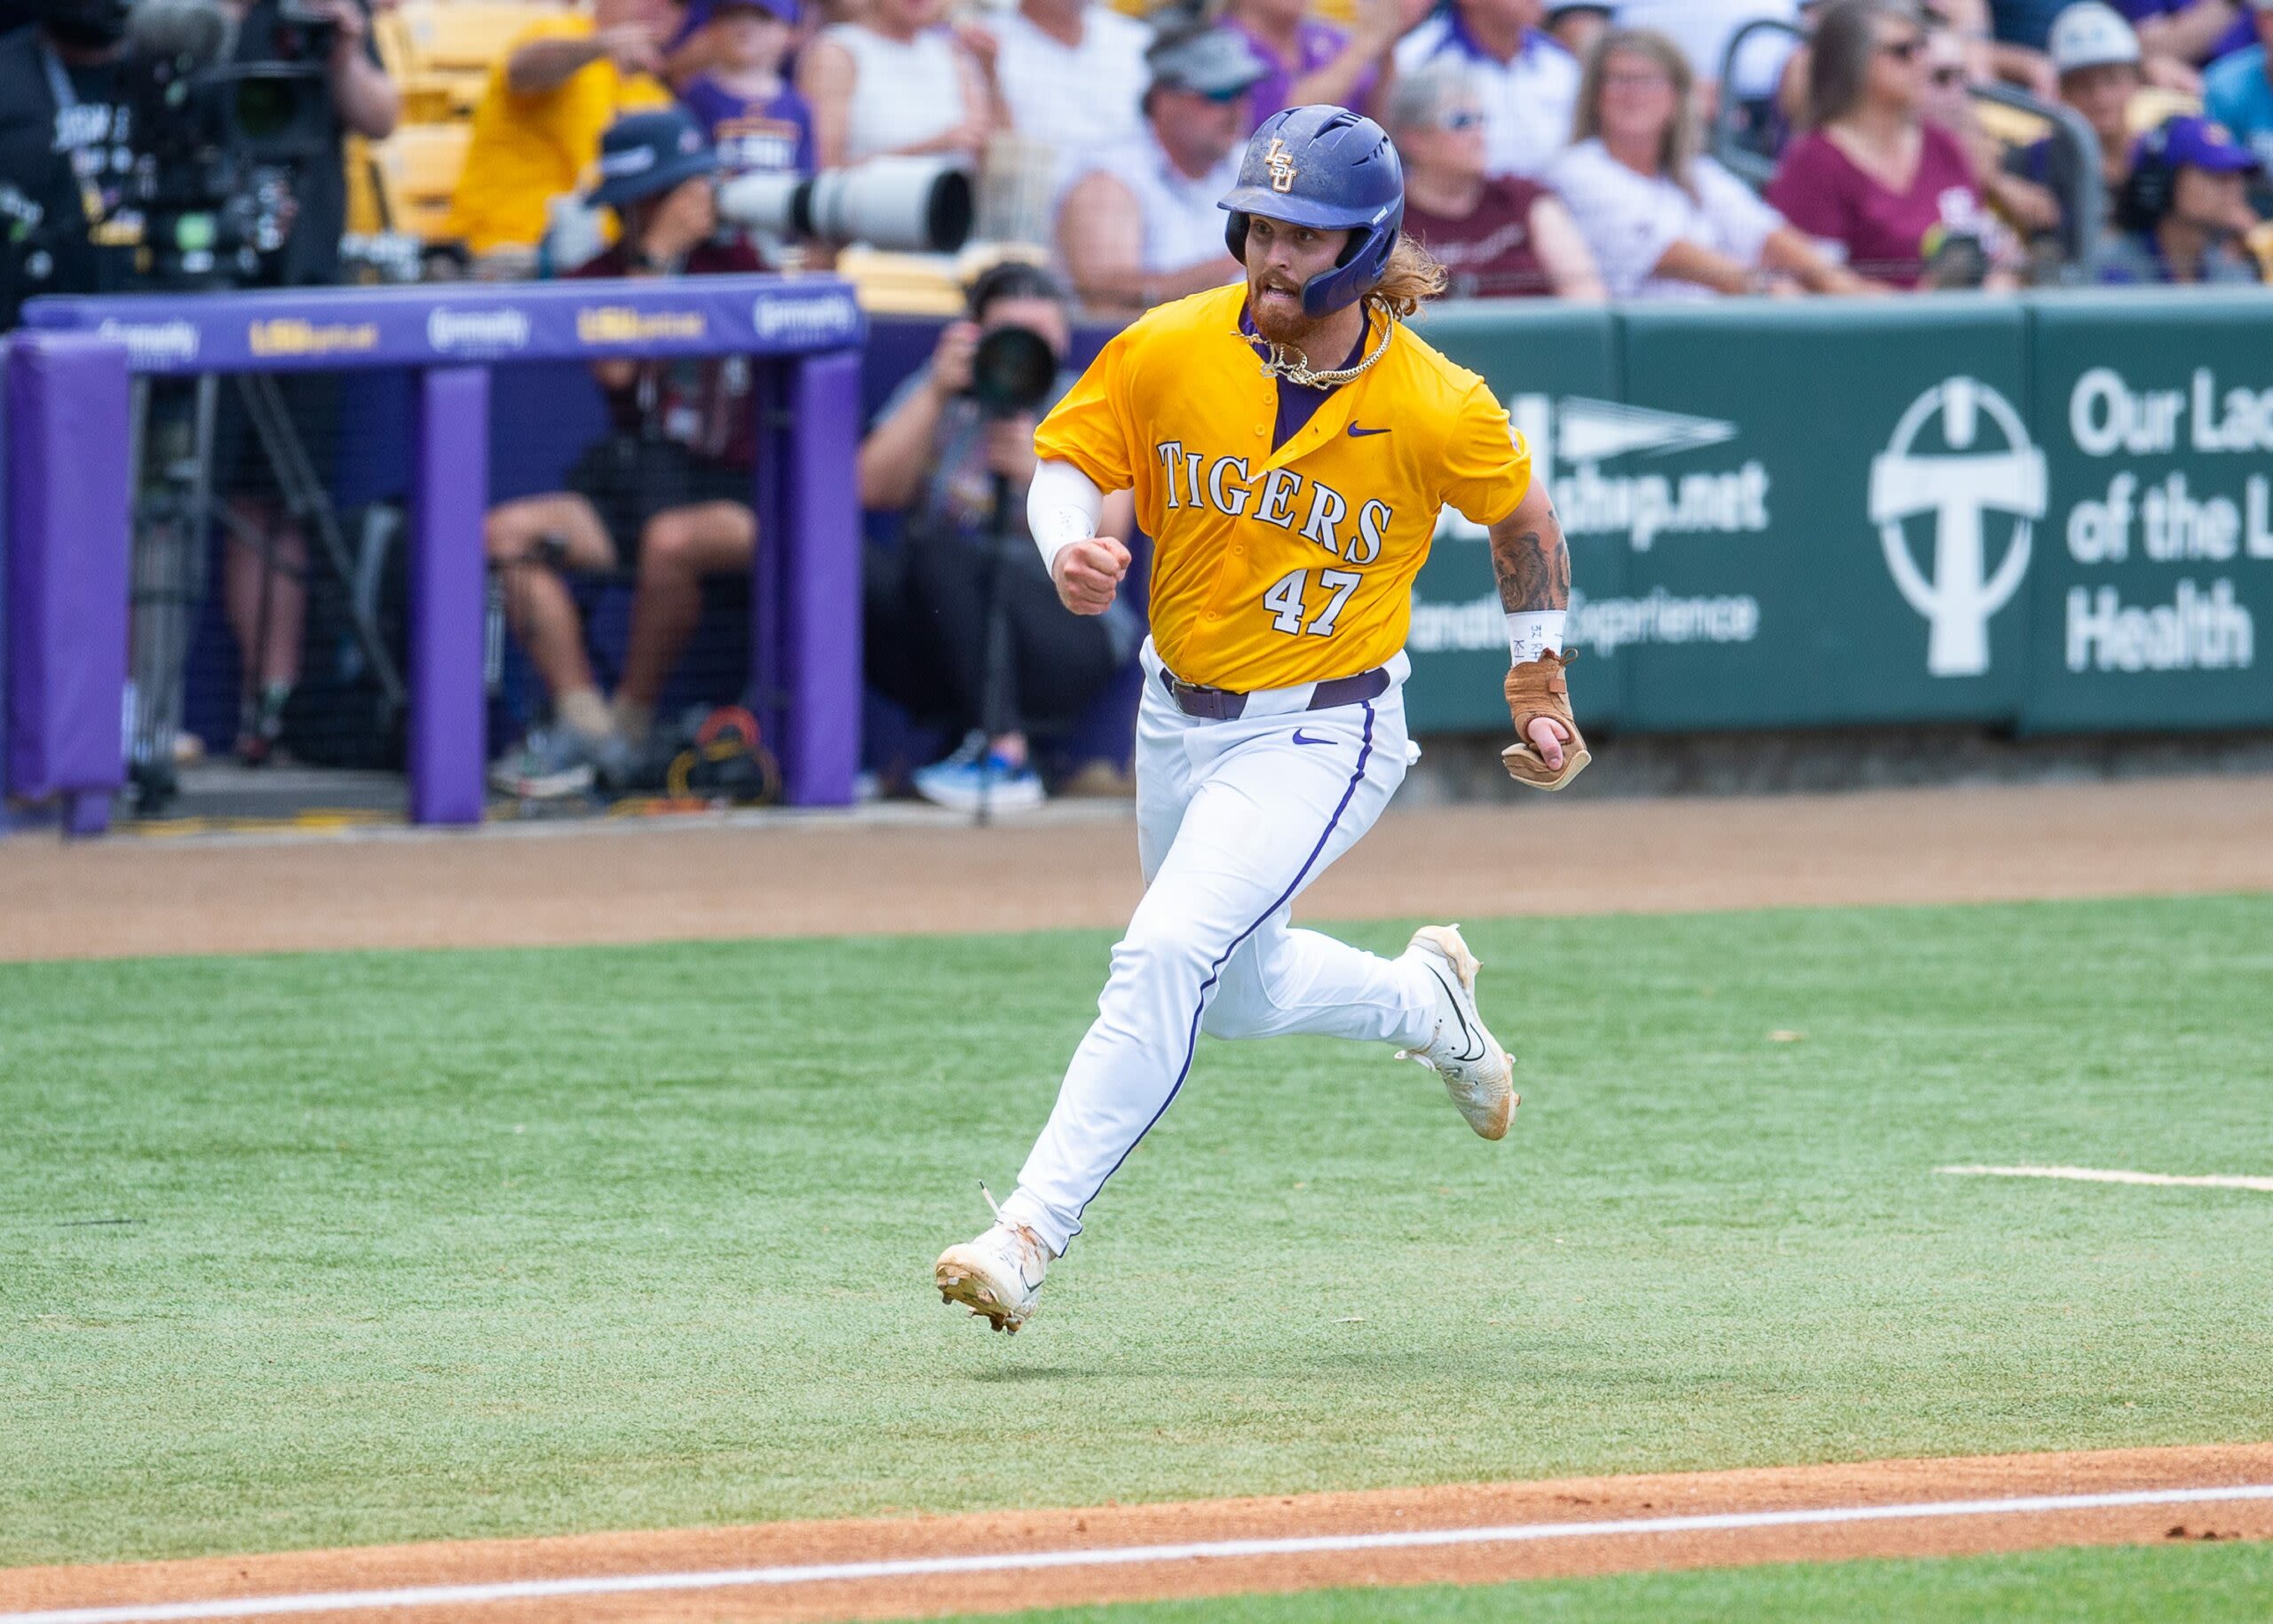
[1063, 506]
[1533, 632]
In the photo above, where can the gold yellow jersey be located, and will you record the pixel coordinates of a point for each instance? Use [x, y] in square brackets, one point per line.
[526, 150]
[1275, 567]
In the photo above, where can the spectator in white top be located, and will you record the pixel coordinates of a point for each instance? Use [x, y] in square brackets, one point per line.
[1529, 83]
[1141, 227]
[1665, 221]
[896, 82]
[1070, 75]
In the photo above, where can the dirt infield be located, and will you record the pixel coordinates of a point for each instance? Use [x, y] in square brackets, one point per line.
[794, 875]
[713, 1569]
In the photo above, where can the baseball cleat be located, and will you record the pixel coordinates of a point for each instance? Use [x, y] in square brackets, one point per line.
[998, 1276]
[1476, 1071]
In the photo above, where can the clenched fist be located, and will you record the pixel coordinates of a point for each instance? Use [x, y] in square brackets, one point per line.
[1087, 574]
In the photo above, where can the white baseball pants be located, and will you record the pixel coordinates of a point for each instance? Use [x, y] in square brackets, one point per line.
[1233, 820]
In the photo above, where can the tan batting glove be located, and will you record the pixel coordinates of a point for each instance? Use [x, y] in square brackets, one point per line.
[1537, 689]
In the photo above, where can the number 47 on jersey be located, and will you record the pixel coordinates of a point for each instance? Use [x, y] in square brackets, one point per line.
[1288, 600]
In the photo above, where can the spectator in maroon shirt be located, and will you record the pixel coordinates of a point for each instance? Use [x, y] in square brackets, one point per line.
[665, 492]
[1313, 61]
[1873, 178]
[1503, 237]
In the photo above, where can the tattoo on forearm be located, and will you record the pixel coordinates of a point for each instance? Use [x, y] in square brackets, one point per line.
[1533, 568]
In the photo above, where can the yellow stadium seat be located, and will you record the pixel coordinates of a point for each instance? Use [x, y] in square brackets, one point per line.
[465, 36]
[362, 194]
[417, 169]
[2011, 127]
[448, 46]
[2154, 104]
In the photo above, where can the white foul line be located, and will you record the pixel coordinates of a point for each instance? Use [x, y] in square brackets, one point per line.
[2118, 1175]
[1121, 1556]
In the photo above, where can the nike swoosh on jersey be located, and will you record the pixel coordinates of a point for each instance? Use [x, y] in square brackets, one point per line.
[1303, 738]
[1358, 433]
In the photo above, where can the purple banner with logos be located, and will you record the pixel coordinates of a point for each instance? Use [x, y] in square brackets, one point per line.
[477, 324]
[66, 399]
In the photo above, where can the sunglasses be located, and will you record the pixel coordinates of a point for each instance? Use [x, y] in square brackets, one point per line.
[1460, 120]
[1948, 78]
[1225, 97]
[1902, 49]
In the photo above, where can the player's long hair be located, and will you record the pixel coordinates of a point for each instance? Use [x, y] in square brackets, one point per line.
[1411, 278]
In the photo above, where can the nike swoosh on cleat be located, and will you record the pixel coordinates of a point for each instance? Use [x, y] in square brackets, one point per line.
[1358, 433]
[1303, 738]
[1467, 1031]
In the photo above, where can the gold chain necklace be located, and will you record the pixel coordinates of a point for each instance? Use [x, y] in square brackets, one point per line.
[1294, 366]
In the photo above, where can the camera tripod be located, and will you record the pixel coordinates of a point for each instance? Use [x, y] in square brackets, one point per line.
[170, 445]
[999, 667]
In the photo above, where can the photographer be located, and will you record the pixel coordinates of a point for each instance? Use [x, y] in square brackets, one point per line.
[936, 456]
[665, 494]
[63, 153]
[264, 575]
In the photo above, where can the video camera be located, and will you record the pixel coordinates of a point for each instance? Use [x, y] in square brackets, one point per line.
[217, 146]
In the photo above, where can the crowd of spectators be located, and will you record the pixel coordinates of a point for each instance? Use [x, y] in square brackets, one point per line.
[1556, 147]
[1578, 149]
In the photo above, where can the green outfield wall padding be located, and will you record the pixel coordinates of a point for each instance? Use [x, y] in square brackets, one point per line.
[2053, 512]
[2156, 557]
[1548, 363]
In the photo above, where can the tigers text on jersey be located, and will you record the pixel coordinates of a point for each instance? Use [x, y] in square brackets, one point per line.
[1271, 568]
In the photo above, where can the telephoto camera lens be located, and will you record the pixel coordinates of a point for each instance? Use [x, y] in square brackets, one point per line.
[1012, 371]
[907, 205]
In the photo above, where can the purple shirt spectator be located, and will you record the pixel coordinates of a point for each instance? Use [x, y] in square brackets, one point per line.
[1317, 44]
[770, 135]
[1886, 233]
[2239, 37]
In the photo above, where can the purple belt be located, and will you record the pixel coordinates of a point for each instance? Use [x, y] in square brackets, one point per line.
[1222, 705]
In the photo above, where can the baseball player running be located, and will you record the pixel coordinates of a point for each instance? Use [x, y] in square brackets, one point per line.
[1290, 444]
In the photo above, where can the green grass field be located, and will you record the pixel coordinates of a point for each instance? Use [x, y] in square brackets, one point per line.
[333, 1249]
[2191, 1584]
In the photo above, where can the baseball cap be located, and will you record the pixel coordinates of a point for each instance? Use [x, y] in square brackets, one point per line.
[644, 153]
[1210, 61]
[699, 12]
[2091, 34]
[2193, 142]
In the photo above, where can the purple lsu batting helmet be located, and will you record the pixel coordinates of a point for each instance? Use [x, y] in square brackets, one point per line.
[1332, 170]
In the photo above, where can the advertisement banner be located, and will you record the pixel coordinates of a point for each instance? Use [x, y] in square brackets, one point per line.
[1555, 368]
[1835, 521]
[2157, 566]
[330, 329]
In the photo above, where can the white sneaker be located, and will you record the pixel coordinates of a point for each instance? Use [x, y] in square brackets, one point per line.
[1476, 1070]
[998, 1276]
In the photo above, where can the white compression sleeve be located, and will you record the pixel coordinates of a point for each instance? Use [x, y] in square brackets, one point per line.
[1533, 632]
[1063, 506]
